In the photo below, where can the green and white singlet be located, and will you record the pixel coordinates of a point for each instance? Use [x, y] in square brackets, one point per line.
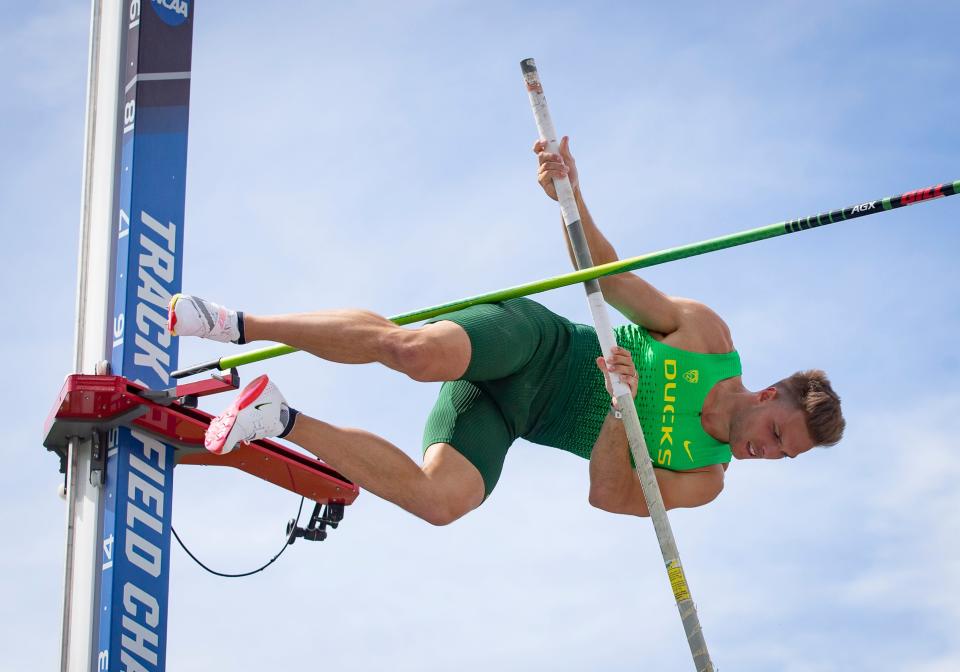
[533, 374]
[672, 386]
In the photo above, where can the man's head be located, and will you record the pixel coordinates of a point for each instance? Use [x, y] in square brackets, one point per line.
[788, 418]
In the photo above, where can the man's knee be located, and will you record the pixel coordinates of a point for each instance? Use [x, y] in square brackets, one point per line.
[455, 486]
[444, 507]
[444, 514]
[428, 355]
[410, 353]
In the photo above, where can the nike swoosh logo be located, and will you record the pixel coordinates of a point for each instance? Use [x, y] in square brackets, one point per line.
[686, 447]
[266, 403]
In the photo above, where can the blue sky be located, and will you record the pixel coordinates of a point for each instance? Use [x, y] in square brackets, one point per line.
[377, 155]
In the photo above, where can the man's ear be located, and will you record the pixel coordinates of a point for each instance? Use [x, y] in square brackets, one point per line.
[768, 394]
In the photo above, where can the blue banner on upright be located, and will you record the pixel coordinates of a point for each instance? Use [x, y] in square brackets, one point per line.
[151, 175]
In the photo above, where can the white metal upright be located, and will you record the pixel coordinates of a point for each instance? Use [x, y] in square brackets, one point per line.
[119, 482]
[92, 322]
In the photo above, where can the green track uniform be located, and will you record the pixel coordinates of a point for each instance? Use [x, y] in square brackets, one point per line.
[533, 374]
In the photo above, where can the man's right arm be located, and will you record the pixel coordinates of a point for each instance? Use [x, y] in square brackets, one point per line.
[637, 299]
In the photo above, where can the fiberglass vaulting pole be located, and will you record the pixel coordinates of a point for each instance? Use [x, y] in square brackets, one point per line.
[631, 422]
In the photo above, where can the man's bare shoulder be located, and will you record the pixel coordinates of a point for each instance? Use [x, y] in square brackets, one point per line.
[701, 329]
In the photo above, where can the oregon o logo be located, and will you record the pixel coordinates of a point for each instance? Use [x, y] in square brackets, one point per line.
[173, 12]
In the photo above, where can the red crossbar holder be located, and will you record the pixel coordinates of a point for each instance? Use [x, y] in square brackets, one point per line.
[88, 404]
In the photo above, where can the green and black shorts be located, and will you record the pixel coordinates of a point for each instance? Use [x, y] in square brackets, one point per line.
[530, 372]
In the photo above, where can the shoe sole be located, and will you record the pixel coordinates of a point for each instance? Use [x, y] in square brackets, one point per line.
[218, 433]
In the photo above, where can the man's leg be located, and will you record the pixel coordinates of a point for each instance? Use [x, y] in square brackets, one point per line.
[449, 484]
[435, 352]
[444, 489]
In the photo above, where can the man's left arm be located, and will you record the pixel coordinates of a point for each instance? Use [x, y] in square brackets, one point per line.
[615, 486]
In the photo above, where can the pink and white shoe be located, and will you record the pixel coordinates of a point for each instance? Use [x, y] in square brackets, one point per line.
[254, 414]
[192, 316]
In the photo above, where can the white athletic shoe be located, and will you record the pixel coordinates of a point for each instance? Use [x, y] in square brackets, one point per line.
[254, 414]
[192, 316]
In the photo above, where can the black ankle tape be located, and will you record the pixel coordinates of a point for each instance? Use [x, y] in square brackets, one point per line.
[241, 340]
[290, 422]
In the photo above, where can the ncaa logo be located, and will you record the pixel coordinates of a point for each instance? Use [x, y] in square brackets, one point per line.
[692, 376]
[172, 12]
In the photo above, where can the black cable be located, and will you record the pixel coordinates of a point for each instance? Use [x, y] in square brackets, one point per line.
[236, 576]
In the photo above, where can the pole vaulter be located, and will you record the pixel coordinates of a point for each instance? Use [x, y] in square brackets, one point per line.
[209, 320]
[513, 369]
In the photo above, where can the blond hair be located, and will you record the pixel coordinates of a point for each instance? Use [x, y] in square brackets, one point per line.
[811, 392]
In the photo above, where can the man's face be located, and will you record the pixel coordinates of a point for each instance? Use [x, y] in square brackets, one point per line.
[771, 428]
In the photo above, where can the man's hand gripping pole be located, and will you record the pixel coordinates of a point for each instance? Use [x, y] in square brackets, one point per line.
[644, 467]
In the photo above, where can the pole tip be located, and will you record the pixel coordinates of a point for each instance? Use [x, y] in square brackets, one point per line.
[528, 65]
